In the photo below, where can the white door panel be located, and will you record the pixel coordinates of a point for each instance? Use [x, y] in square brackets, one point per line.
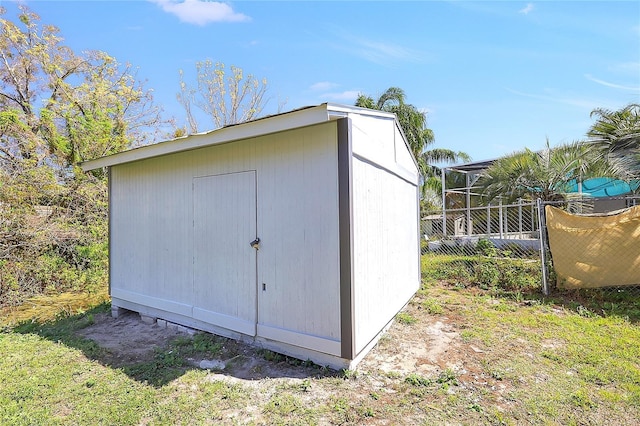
[224, 220]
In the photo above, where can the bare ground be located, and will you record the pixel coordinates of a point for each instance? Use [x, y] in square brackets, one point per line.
[426, 349]
[403, 349]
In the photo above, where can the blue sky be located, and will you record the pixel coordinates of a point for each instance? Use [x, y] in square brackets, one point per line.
[494, 77]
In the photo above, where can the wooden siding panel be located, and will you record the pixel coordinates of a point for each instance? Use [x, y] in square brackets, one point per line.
[373, 138]
[298, 262]
[152, 218]
[151, 251]
[386, 256]
[404, 158]
[380, 142]
[297, 200]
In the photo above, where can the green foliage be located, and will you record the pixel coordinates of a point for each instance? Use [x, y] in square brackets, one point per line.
[617, 135]
[447, 378]
[286, 409]
[432, 306]
[53, 230]
[406, 318]
[417, 380]
[545, 174]
[512, 276]
[486, 248]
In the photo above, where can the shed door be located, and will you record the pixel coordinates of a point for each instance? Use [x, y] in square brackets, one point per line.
[224, 224]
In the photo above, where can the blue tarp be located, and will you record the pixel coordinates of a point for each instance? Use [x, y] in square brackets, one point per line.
[604, 187]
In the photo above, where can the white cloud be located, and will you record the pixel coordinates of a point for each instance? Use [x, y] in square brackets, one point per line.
[346, 96]
[201, 12]
[379, 52]
[612, 85]
[582, 103]
[382, 52]
[323, 86]
[527, 9]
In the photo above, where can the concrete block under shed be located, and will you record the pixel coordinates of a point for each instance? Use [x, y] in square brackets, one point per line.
[147, 319]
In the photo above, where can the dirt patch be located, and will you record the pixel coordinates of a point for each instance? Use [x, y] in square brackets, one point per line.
[424, 348]
[127, 339]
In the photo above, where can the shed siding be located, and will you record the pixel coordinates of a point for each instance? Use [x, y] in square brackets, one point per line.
[151, 240]
[404, 159]
[373, 139]
[385, 229]
[297, 222]
[379, 141]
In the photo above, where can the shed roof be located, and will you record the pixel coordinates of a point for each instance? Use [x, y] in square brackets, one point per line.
[262, 126]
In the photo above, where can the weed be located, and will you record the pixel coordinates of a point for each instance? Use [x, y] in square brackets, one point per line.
[287, 409]
[581, 399]
[271, 356]
[349, 374]
[366, 412]
[496, 375]
[475, 407]
[406, 318]
[486, 248]
[416, 380]
[433, 306]
[305, 386]
[487, 274]
[584, 312]
[447, 378]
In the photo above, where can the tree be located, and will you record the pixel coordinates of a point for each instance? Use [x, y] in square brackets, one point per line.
[617, 135]
[546, 174]
[419, 136]
[58, 107]
[225, 98]
[62, 107]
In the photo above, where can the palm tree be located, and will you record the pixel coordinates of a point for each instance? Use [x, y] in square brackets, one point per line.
[546, 174]
[419, 136]
[617, 135]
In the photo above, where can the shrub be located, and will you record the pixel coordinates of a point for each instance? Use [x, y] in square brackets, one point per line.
[486, 248]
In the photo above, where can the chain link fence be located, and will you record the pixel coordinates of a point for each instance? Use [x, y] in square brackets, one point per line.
[506, 247]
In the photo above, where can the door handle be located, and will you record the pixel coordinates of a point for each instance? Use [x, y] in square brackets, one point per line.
[255, 243]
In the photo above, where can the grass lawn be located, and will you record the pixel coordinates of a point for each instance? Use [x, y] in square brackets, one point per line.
[511, 357]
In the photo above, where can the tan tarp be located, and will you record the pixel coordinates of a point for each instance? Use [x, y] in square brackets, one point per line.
[596, 250]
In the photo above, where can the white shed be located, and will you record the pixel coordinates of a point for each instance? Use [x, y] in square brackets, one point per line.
[298, 232]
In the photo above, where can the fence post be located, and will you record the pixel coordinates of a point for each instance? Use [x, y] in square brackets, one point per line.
[489, 220]
[545, 285]
[500, 218]
[444, 201]
[468, 204]
[520, 217]
[533, 218]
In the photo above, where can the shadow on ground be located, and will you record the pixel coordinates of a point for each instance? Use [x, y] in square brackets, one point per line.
[158, 355]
